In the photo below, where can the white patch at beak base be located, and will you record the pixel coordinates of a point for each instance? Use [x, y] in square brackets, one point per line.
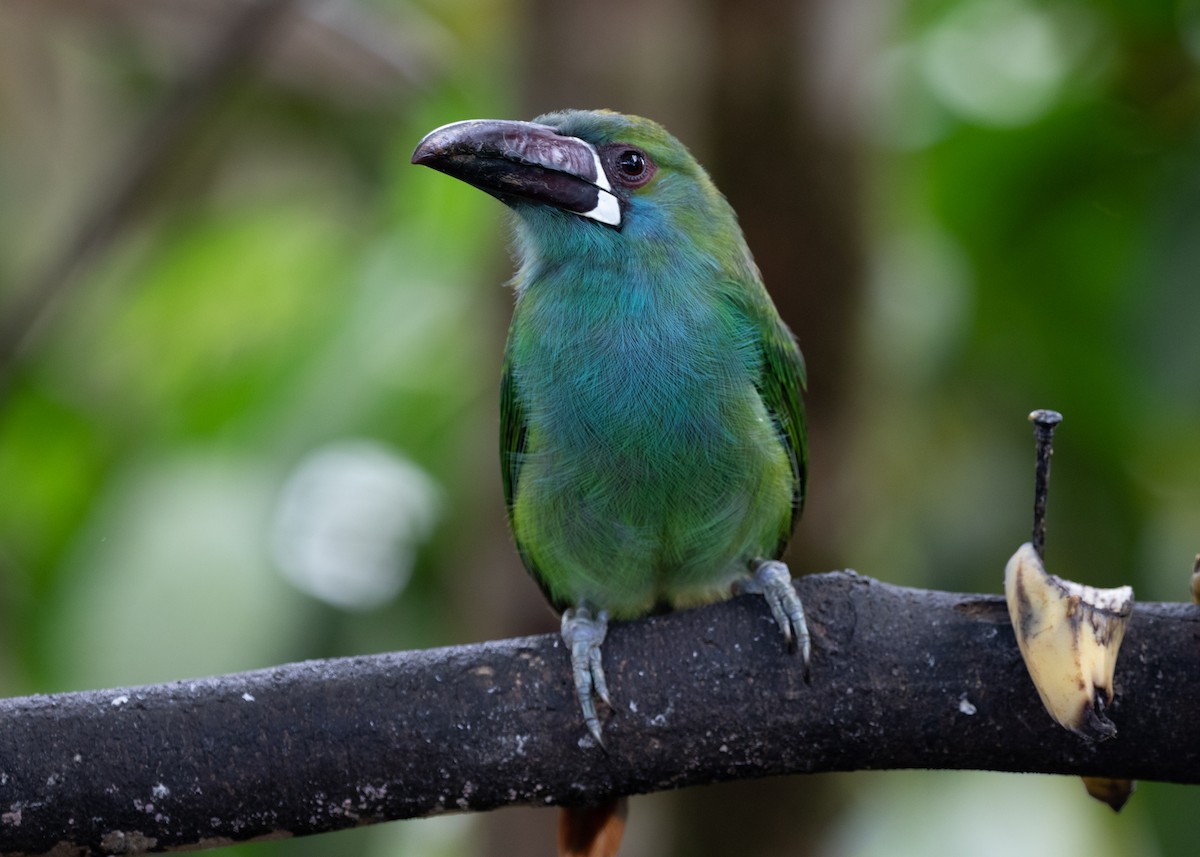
[608, 207]
[607, 210]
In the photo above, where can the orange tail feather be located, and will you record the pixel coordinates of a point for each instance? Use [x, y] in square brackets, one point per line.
[592, 831]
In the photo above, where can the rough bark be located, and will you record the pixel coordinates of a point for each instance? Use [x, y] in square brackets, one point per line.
[901, 678]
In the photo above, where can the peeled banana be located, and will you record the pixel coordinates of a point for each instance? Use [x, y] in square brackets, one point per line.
[1069, 636]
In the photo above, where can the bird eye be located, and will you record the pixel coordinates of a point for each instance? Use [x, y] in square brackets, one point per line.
[630, 167]
[632, 163]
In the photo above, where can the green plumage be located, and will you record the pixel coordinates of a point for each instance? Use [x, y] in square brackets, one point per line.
[652, 430]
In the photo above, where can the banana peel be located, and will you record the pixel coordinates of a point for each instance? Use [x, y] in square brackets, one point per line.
[1109, 790]
[1069, 636]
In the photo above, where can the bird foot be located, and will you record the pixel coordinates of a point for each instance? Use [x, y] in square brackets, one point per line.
[583, 633]
[772, 580]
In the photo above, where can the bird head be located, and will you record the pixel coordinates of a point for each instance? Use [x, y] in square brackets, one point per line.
[597, 175]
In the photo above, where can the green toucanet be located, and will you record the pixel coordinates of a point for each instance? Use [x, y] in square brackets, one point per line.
[652, 437]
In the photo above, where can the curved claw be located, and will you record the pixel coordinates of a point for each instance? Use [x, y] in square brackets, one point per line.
[583, 633]
[772, 580]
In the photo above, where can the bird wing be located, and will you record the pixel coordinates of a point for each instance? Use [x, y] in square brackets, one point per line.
[781, 384]
[513, 430]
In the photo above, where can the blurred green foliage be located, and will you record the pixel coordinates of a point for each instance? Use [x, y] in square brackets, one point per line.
[1031, 213]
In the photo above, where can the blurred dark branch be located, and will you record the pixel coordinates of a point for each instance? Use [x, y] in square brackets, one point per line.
[901, 678]
[237, 47]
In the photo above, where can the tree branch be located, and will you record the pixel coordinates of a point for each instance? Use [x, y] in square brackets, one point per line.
[901, 678]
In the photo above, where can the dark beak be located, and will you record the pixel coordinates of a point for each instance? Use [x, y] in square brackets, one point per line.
[523, 161]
